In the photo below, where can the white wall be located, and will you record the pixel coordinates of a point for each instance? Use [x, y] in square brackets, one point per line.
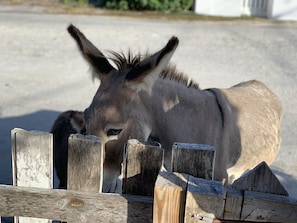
[282, 9]
[276, 9]
[218, 7]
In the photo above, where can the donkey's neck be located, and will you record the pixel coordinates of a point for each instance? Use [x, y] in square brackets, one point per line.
[183, 114]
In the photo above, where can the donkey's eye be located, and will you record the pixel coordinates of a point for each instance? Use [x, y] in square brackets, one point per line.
[113, 132]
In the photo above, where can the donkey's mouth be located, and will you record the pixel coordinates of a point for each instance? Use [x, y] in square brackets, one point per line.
[112, 182]
[114, 187]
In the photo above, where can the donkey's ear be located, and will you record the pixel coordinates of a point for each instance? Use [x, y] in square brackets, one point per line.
[144, 75]
[94, 56]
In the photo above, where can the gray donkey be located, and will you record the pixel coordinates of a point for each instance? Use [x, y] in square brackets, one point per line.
[146, 97]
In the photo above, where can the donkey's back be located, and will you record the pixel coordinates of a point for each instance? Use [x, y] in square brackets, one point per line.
[253, 113]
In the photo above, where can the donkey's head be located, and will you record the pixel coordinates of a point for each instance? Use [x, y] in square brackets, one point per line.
[117, 113]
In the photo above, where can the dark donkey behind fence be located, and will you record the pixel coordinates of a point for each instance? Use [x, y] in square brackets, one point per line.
[145, 97]
[67, 123]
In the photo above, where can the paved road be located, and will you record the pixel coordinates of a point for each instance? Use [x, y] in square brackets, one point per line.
[42, 72]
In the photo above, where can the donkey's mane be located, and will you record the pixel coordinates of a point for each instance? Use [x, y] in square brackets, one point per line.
[169, 73]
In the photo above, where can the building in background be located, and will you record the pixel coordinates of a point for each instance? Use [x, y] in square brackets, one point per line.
[272, 9]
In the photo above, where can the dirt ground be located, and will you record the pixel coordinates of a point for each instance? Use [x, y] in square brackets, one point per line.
[43, 74]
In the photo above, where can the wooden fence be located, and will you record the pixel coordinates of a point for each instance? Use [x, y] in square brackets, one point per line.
[187, 194]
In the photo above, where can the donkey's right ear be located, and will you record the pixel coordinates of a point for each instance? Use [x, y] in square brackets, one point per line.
[94, 56]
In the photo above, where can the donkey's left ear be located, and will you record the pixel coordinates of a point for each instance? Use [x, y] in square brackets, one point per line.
[144, 75]
[95, 57]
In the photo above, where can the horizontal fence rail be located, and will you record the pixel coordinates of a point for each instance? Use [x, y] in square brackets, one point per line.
[75, 206]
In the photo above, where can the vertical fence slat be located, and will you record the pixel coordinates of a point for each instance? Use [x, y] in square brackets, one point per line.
[32, 161]
[85, 163]
[183, 162]
[141, 166]
[170, 197]
[233, 204]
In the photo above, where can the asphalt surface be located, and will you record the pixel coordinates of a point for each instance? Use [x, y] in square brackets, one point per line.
[43, 74]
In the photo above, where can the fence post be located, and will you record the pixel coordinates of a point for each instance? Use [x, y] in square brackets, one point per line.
[233, 203]
[85, 163]
[193, 159]
[141, 165]
[32, 162]
[170, 197]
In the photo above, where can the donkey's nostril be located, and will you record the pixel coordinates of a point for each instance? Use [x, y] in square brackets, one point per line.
[113, 132]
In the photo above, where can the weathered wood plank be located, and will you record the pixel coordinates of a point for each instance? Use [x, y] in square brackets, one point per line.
[141, 166]
[32, 162]
[260, 179]
[193, 159]
[204, 200]
[74, 206]
[85, 163]
[170, 197]
[233, 204]
[263, 207]
[32, 158]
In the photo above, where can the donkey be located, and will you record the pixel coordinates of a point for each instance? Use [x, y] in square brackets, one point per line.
[145, 97]
[67, 123]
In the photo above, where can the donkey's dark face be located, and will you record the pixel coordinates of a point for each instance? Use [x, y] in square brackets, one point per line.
[110, 117]
[116, 113]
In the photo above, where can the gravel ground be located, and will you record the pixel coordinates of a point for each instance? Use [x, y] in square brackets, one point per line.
[43, 74]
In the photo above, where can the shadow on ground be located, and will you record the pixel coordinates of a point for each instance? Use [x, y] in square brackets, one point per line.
[40, 120]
